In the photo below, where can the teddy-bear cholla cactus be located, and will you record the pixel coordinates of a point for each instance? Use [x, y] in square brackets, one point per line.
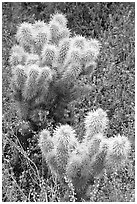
[87, 160]
[64, 142]
[49, 46]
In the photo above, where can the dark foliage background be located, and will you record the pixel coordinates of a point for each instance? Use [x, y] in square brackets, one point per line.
[114, 80]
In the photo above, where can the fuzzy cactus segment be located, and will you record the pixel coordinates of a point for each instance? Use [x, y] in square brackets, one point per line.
[30, 89]
[71, 74]
[38, 25]
[64, 33]
[45, 142]
[74, 56]
[93, 145]
[97, 164]
[95, 122]
[78, 170]
[24, 36]
[52, 163]
[48, 56]
[41, 38]
[96, 150]
[97, 159]
[44, 78]
[91, 52]
[18, 56]
[95, 45]
[58, 32]
[65, 135]
[60, 18]
[79, 42]
[118, 151]
[64, 46]
[65, 142]
[19, 78]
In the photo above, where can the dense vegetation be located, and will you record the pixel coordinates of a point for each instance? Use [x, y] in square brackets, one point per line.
[25, 174]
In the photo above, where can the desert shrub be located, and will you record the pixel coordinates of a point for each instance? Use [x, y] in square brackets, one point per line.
[46, 64]
[83, 162]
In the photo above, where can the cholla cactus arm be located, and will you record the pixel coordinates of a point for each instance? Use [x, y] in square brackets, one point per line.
[43, 80]
[89, 56]
[30, 90]
[65, 135]
[62, 157]
[79, 42]
[45, 93]
[74, 56]
[72, 63]
[18, 56]
[45, 142]
[60, 18]
[38, 25]
[71, 74]
[95, 122]
[48, 56]
[19, 78]
[52, 162]
[118, 151]
[64, 46]
[57, 32]
[41, 36]
[65, 142]
[97, 164]
[48, 150]
[97, 161]
[77, 170]
[93, 145]
[95, 45]
[25, 36]
[91, 51]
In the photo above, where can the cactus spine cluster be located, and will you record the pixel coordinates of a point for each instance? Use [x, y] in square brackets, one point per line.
[48, 60]
[81, 162]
